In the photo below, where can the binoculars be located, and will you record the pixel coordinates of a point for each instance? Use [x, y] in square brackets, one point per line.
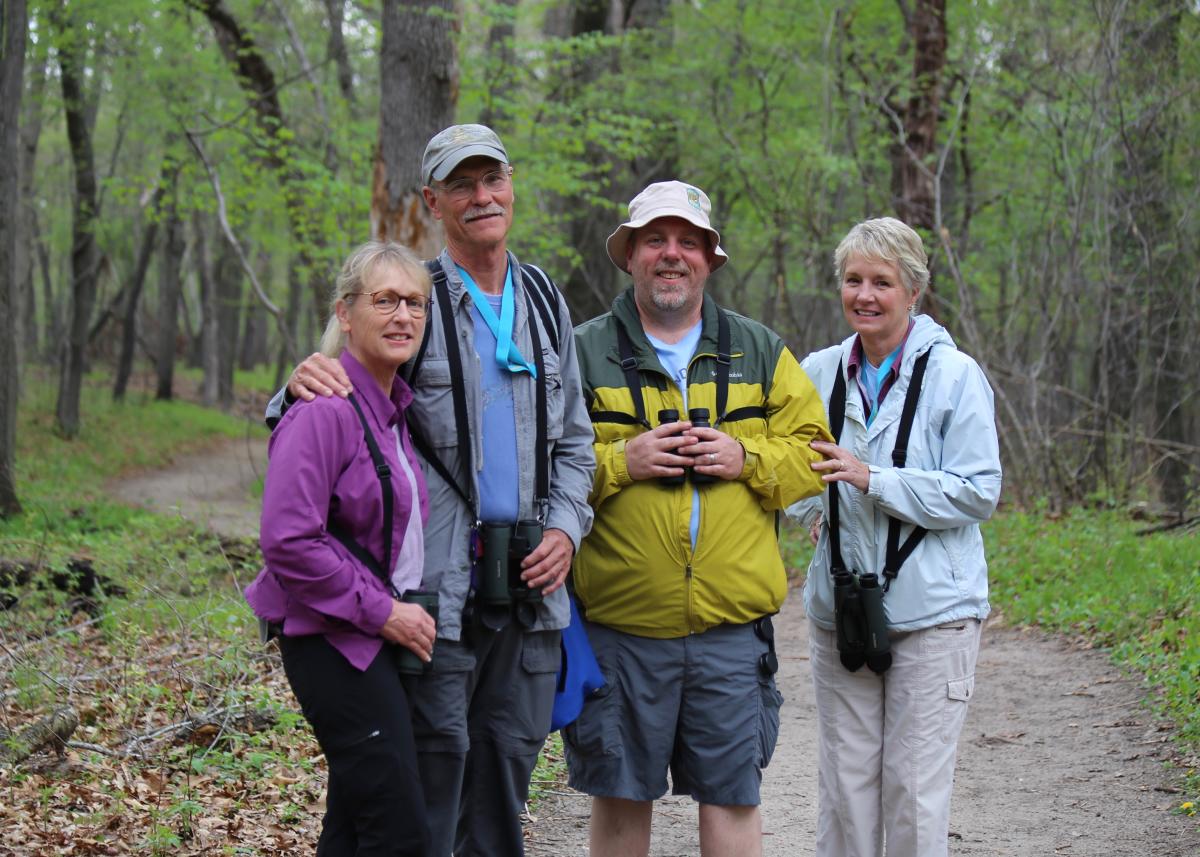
[407, 661]
[697, 417]
[499, 588]
[862, 634]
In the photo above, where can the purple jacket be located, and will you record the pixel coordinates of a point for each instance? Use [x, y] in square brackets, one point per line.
[320, 468]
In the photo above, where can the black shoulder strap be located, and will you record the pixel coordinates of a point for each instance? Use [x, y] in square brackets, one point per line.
[837, 419]
[541, 449]
[441, 297]
[384, 474]
[632, 379]
[897, 553]
[438, 274]
[723, 362]
[544, 296]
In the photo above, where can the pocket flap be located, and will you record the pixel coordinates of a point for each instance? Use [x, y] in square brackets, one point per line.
[960, 689]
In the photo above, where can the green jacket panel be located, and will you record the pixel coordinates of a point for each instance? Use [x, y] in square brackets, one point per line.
[637, 571]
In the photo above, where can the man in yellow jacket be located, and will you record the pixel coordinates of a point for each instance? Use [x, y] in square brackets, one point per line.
[703, 420]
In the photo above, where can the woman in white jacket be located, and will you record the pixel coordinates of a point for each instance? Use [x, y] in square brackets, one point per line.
[892, 684]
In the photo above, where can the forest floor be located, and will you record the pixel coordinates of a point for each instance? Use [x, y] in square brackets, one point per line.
[1058, 757]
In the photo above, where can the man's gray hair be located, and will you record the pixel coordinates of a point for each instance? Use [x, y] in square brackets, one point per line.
[358, 272]
[889, 240]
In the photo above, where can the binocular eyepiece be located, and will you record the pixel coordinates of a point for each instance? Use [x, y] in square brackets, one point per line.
[861, 626]
[499, 587]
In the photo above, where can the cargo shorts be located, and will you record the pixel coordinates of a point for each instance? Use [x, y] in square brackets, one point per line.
[705, 707]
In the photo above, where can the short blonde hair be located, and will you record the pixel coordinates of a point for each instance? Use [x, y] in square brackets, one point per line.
[889, 240]
[361, 267]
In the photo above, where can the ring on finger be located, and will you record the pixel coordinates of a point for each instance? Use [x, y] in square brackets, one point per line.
[712, 456]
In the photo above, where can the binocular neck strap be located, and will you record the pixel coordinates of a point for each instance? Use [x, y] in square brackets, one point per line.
[541, 485]
[384, 474]
[837, 419]
[896, 553]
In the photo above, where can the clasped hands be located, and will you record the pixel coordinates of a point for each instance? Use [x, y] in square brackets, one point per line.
[671, 448]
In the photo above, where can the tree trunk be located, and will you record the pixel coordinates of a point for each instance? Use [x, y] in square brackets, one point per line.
[912, 161]
[337, 49]
[133, 297]
[418, 79]
[30, 132]
[12, 67]
[228, 276]
[170, 284]
[84, 258]
[210, 314]
[501, 62]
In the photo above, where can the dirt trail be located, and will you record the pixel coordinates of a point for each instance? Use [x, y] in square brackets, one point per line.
[1058, 756]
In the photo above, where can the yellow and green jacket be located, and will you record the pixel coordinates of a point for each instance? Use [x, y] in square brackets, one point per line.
[636, 571]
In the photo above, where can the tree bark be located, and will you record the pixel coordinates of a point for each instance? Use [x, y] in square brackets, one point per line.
[210, 314]
[228, 276]
[12, 67]
[133, 296]
[418, 79]
[54, 729]
[84, 257]
[29, 132]
[912, 160]
[170, 285]
[337, 49]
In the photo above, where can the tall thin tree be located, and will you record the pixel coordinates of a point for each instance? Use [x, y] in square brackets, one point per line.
[84, 255]
[12, 69]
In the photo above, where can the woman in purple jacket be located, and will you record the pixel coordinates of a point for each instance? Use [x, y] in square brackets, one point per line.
[328, 589]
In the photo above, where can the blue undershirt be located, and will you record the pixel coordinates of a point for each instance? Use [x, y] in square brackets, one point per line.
[499, 500]
[675, 358]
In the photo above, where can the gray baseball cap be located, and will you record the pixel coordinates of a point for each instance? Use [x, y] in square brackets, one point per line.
[451, 147]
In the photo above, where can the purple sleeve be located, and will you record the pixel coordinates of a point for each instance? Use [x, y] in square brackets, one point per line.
[309, 453]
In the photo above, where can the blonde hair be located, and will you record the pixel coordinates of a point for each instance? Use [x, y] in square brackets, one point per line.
[889, 240]
[361, 267]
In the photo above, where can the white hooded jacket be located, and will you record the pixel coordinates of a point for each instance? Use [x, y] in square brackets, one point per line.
[950, 485]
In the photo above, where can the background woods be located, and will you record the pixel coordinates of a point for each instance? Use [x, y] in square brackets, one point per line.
[180, 179]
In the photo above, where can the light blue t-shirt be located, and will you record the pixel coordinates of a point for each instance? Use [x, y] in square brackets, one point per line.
[675, 358]
[499, 500]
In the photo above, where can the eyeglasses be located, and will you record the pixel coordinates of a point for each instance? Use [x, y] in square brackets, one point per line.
[387, 302]
[493, 182]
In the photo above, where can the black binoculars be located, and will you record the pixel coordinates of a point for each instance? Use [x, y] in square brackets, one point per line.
[862, 634]
[697, 417]
[499, 587]
[407, 661]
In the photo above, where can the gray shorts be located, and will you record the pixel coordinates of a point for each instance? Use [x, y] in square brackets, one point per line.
[698, 705]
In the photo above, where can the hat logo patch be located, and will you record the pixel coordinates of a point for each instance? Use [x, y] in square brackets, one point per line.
[693, 198]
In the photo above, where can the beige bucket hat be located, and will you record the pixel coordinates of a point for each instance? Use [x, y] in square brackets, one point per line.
[665, 199]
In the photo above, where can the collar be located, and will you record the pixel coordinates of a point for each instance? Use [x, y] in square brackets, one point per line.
[624, 310]
[385, 409]
[858, 357]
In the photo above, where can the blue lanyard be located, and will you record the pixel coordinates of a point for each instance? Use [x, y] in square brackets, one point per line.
[876, 382]
[507, 354]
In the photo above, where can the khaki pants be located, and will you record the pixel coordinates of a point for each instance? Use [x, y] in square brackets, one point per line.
[887, 743]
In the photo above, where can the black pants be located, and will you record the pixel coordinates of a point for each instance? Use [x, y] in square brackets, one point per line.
[375, 806]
